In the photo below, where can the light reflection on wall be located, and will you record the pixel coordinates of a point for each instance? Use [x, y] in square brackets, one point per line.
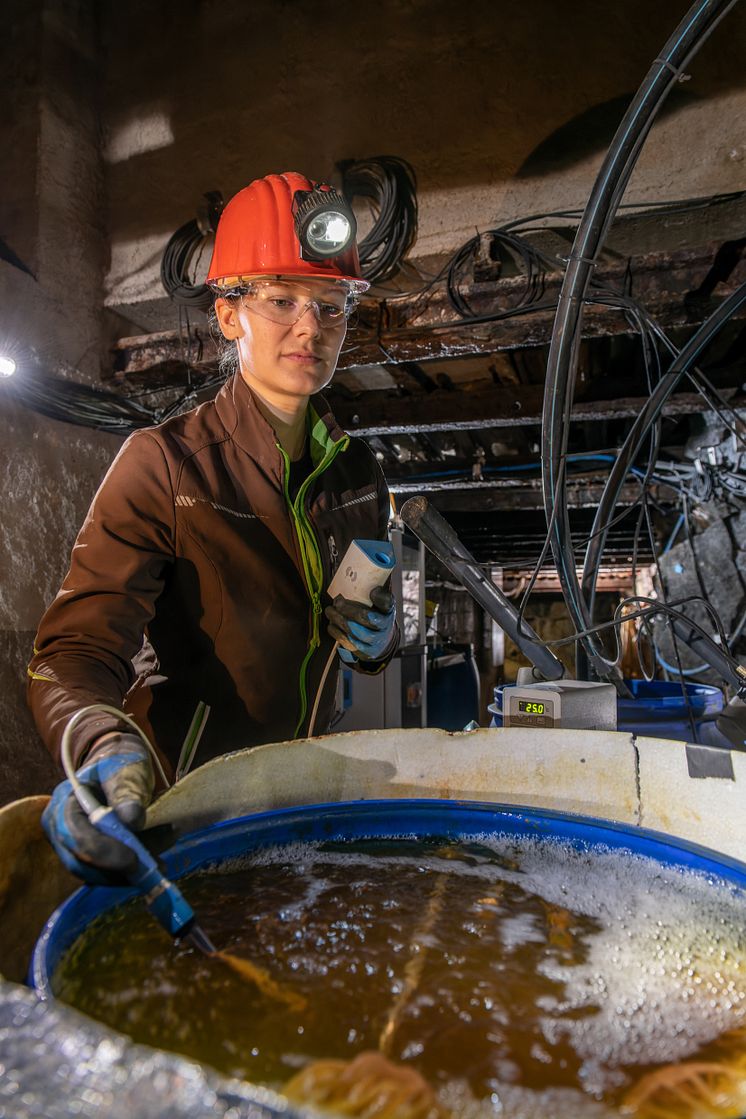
[147, 133]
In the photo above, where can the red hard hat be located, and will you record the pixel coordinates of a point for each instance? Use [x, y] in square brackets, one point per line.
[256, 237]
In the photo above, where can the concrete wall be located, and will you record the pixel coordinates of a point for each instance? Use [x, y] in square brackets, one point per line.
[503, 109]
[51, 216]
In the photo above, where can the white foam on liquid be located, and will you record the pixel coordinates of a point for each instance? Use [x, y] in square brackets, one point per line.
[664, 974]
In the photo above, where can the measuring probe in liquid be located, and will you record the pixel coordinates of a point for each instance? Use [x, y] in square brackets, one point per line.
[164, 900]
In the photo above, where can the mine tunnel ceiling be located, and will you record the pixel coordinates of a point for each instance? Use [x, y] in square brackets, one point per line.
[517, 541]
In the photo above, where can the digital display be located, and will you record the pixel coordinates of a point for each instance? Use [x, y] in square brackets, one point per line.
[531, 707]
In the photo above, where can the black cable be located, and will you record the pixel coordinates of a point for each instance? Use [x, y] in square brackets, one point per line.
[666, 207]
[649, 470]
[460, 268]
[553, 263]
[534, 261]
[684, 690]
[728, 666]
[636, 315]
[695, 375]
[644, 628]
[630, 308]
[73, 403]
[175, 262]
[390, 186]
[86, 406]
[650, 331]
[76, 403]
[649, 415]
[682, 682]
[534, 264]
[188, 242]
[532, 580]
[562, 364]
[704, 387]
[690, 541]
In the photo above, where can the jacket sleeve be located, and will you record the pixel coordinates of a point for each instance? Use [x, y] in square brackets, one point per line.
[372, 668]
[95, 626]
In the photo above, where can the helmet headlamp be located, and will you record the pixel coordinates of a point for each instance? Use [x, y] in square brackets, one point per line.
[324, 223]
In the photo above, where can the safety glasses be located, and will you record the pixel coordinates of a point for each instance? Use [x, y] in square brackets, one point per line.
[285, 303]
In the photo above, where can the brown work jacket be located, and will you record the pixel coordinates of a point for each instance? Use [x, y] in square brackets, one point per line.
[195, 577]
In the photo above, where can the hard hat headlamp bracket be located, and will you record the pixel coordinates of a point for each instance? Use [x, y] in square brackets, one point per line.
[324, 222]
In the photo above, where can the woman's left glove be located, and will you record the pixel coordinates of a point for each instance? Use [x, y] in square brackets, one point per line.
[120, 774]
[363, 632]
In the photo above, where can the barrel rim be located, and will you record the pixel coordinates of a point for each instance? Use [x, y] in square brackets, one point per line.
[226, 839]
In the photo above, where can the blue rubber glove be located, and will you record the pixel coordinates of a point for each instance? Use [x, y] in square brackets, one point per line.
[364, 632]
[120, 773]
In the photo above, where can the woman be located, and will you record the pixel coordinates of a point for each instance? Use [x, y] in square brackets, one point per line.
[199, 577]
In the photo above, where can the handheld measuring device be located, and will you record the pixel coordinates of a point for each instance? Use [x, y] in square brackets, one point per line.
[365, 565]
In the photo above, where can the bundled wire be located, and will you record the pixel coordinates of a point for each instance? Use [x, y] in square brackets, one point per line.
[665, 208]
[530, 261]
[183, 252]
[719, 656]
[86, 406]
[390, 186]
[534, 264]
[643, 424]
[510, 240]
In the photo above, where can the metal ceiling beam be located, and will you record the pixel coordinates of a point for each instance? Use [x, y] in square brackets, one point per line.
[480, 497]
[379, 413]
[615, 579]
[413, 329]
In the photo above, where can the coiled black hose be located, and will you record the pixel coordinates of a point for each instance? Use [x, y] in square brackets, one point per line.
[390, 185]
[179, 254]
[605, 196]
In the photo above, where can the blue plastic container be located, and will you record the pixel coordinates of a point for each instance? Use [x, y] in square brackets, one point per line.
[659, 710]
[452, 687]
[440, 819]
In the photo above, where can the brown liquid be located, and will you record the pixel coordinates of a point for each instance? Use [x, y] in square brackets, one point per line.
[544, 979]
[263, 981]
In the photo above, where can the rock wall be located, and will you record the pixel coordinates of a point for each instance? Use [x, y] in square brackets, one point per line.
[503, 110]
[51, 217]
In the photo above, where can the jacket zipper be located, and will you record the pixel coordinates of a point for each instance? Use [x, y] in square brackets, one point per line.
[313, 569]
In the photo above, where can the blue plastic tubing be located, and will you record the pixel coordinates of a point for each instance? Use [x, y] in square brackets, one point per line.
[410, 819]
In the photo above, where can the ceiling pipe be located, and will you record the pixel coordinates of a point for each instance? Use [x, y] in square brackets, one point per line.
[436, 534]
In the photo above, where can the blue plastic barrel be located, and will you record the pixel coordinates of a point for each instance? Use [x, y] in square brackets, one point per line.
[658, 709]
[436, 819]
[452, 687]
